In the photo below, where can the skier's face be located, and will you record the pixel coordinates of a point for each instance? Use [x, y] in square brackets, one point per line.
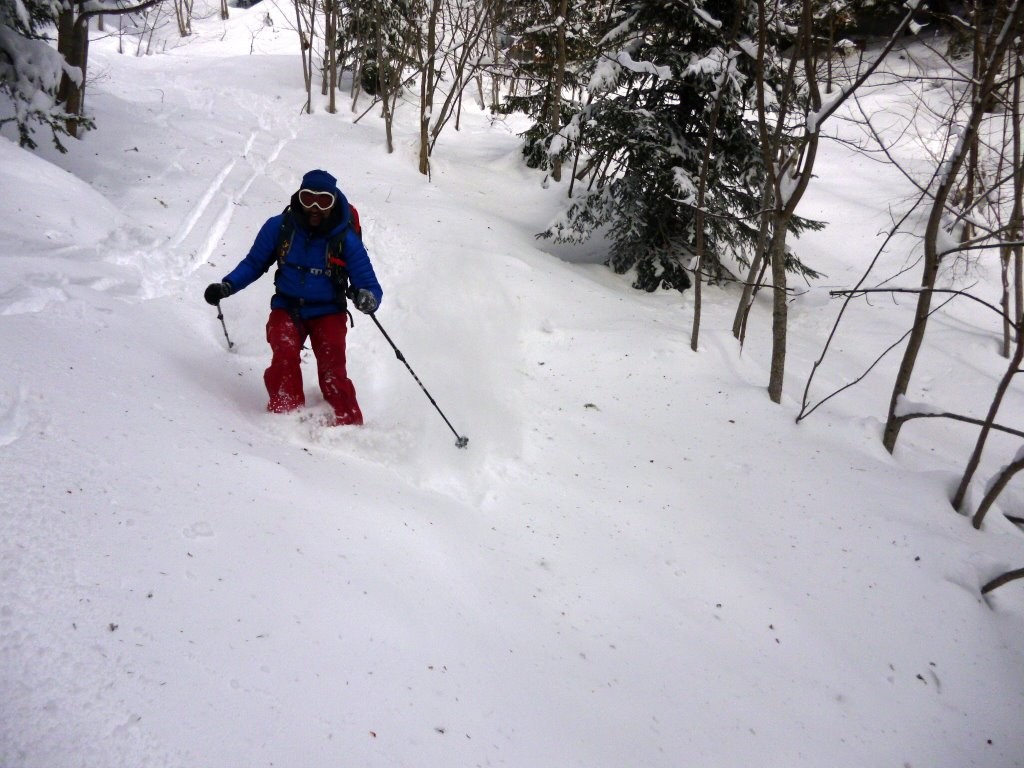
[315, 216]
[316, 205]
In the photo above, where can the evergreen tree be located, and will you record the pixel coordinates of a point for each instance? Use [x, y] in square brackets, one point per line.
[31, 70]
[379, 35]
[548, 51]
[644, 134]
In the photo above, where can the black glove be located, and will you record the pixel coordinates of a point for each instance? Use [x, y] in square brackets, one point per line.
[365, 301]
[216, 291]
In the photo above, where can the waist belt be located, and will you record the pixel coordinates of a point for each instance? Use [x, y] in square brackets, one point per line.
[298, 302]
[304, 268]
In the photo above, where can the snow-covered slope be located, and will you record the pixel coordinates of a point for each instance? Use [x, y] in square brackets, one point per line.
[638, 562]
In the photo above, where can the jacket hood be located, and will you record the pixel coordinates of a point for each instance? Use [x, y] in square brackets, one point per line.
[320, 181]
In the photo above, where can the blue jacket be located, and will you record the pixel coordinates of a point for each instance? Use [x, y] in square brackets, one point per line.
[303, 284]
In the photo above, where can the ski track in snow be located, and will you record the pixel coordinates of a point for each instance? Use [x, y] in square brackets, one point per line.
[210, 218]
[14, 418]
[230, 192]
[159, 266]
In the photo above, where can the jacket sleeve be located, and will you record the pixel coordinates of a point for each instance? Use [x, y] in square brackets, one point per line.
[260, 258]
[360, 270]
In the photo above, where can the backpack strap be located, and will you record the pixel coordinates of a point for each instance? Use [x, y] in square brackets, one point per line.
[335, 266]
[284, 236]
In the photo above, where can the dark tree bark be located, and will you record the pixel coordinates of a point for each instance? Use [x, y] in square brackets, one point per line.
[73, 45]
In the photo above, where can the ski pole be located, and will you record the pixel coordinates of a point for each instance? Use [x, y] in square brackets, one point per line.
[460, 440]
[220, 316]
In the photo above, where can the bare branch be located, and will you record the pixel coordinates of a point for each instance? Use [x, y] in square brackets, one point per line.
[1006, 578]
[861, 291]
[84, 16]
[905, 417]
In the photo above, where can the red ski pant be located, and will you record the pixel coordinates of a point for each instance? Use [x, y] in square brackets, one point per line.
[283, 378]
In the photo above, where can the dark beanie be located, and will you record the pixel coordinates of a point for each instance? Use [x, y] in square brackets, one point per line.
[320, 181]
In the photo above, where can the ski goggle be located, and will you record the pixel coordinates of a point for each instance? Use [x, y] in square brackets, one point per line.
[311, 198]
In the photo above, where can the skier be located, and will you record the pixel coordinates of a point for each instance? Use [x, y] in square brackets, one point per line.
[320, 260]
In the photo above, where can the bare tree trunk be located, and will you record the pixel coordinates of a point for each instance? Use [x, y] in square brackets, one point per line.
[183, 15]
[921, 314]
[1014, 253]
[73, 45]
[1006, 260]
[789, 164]
[558, 78]
[830, 47]
[947, 181]
[359, 57]
[456, 50]
[331, 9]
[151, 27]
[791, 181]
[65, 40]
[306, 35]
[780, 307]
[973, 153]
[739, 323]
[496, 57]
[1012, 317]
[979, 446]
[780, 162]
[428, 84]
[998, 485]
[385, 81]
[702, 181]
